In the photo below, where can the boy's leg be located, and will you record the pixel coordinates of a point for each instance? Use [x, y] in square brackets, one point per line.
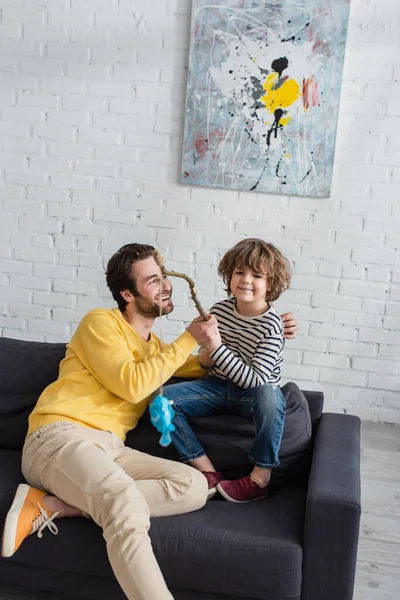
[200, 398]
[77, 465]
[169, 487]
[266, 406]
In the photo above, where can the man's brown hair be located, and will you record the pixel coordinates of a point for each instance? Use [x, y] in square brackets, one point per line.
[119, 270]
[261, 257]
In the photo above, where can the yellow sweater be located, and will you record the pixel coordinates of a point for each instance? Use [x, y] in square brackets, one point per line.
[109, 373]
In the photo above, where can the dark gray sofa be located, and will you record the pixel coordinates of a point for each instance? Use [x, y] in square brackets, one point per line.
[299, 544]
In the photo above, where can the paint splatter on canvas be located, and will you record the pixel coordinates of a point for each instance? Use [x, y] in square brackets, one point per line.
[263, 94]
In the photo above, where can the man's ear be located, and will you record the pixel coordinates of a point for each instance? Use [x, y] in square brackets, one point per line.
[127, 296]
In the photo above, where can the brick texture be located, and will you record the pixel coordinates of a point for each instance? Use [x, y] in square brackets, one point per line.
[91, 115]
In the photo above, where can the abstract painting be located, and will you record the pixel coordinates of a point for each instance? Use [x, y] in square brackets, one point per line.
[263, 94]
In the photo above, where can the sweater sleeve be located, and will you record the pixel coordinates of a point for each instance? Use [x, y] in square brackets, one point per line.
[191, 369]
[100, 345]
[259, 371]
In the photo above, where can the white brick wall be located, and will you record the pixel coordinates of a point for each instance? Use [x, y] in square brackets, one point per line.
[91, 116]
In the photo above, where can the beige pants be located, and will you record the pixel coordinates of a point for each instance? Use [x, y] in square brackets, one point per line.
[120, 489]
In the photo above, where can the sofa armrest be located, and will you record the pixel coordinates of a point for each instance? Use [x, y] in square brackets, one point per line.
[333, 510]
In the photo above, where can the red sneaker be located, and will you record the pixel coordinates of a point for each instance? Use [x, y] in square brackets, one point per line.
[213, 478]
[242, 490]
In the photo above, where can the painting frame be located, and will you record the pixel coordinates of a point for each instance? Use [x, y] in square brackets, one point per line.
[263, 95]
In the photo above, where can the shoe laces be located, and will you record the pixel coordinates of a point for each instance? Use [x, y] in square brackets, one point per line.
[246, 482]
[43, 520]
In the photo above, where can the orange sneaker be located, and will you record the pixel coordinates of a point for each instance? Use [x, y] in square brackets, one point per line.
[26, 516]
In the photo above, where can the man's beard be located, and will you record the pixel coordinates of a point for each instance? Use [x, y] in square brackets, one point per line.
[152, 309]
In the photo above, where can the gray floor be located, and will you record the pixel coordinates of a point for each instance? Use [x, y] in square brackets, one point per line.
[378, 567]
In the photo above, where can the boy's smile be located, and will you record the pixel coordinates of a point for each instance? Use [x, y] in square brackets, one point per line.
[250, 289]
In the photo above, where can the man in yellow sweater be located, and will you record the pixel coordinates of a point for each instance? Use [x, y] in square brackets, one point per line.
[75, 443]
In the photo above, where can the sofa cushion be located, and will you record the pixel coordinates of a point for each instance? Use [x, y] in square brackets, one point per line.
[38, 362]
[224, 545]
[26, 368]
[227, 440]
[259, 537]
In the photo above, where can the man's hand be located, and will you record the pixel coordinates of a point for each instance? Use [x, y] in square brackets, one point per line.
[290, 326]
[205, 333]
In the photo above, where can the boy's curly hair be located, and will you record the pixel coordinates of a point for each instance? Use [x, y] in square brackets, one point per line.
[261, 257]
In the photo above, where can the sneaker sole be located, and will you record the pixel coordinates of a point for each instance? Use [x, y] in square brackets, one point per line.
[211, 493]
[227, 497]
[11, 522]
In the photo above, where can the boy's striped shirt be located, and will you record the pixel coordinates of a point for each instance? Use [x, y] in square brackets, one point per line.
[251, 349]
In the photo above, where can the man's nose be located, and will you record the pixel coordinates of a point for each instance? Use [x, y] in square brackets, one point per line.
[167, 285]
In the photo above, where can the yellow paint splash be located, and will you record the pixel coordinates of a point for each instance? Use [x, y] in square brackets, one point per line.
[283, 97]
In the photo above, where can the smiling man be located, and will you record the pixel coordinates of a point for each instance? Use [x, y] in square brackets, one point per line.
[75, 444]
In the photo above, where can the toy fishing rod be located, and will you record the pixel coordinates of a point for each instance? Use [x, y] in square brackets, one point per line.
[193, 291]
[161, 411]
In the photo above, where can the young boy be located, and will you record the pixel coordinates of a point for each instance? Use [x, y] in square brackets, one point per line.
[244, 362]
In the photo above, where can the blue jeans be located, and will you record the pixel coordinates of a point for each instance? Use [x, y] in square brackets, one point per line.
[264, 405]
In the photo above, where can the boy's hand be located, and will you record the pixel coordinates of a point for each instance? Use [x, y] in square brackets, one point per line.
[290, 326]
[204, 359]
[205, 332]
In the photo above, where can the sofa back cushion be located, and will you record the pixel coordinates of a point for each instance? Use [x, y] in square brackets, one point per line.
[227, 440]
[26, 368]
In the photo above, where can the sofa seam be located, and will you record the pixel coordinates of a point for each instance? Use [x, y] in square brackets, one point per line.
[224, 543]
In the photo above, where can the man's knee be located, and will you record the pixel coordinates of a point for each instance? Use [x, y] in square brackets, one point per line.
[122, 506]
[195, 491]
[198, 490]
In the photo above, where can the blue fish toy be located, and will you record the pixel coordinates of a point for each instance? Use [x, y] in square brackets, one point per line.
[161, 415]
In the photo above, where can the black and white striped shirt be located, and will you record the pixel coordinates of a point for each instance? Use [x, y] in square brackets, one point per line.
[251, 349]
